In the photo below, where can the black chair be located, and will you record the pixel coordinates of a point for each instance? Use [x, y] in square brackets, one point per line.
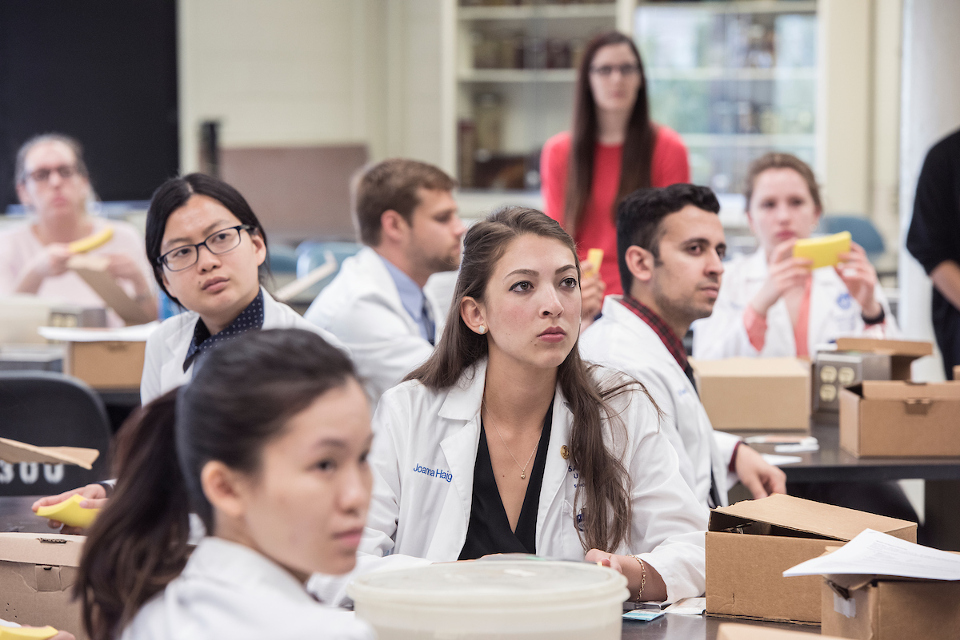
[53, 410]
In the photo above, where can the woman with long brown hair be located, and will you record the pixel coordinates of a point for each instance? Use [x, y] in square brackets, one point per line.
[505, 441]
[612, 150]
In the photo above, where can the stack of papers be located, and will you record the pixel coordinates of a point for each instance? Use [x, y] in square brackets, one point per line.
[876, 554]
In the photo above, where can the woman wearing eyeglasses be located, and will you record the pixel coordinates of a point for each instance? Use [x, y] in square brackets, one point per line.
[206, 246]
[53, 183]
[612, 150]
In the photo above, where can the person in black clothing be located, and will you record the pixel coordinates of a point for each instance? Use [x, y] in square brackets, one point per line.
[934, 240]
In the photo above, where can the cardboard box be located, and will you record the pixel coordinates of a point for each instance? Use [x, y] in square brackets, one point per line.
[106, 365]
[899, 418]
[37, 574]
[750, 544]
[742, 394]
[731, 631]
[886, 608]
[859, 359]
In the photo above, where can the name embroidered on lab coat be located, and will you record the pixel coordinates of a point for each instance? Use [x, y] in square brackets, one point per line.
[434, 473]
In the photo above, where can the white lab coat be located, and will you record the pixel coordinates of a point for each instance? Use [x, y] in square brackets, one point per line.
[167, 346]
[229, 591]
[417, 515]
[362, 307]
[621, 340]
[833, 314]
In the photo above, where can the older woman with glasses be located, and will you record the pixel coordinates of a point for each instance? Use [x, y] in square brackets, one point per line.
[612, 150]
[53, 183]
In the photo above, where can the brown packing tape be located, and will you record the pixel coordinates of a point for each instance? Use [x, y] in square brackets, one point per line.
[13, 451]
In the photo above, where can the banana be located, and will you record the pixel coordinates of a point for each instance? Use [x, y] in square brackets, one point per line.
[825, 252]
[70, 512]
[23, 633]
[92, 241]
[592, 263]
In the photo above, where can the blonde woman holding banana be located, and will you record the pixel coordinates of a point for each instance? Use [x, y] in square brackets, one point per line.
[53, 183]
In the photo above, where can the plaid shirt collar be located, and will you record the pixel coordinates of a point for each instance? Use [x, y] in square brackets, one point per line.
[670, 340]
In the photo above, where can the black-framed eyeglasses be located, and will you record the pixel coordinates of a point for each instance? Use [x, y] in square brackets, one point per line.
[66, 172]
[607, 70]
[216, 243]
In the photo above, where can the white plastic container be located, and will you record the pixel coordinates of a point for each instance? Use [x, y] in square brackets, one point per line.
[503, 599]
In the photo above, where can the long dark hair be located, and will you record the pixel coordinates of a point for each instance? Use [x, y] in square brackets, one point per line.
[241, 397]
[638, 144]
[604, 479]
[173, 194]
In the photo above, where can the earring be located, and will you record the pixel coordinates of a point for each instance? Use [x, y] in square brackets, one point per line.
[482, 329]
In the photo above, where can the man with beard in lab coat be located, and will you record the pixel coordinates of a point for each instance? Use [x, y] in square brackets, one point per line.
[406, 216]
[670, 247]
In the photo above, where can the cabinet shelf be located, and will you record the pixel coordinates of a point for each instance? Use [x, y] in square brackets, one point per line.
[791, 140]
[707, 73]
[542, 11]
[517, 75]
[750, 6]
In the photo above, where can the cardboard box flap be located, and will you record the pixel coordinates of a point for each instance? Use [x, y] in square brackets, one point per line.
[900, 390]
[806, 516]
[740, 367]
[907, 348]
[51, 549]
[13, 451]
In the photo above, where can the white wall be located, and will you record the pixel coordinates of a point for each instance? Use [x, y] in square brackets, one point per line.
[930, 108]
[307, 72]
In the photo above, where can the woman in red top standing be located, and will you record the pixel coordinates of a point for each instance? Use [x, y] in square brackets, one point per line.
[615, 150]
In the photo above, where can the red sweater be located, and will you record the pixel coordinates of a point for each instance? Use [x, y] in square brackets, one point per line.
[596, 227]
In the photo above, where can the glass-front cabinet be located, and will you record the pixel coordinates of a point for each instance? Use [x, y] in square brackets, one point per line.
[734, 79]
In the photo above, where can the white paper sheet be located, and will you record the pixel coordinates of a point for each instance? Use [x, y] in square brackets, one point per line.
[875, 553]
[688, 607]
[779, 461]
[136, 333]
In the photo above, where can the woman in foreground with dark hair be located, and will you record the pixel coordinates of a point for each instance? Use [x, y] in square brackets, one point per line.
[506, 441]
[612, 150]
[268, 446]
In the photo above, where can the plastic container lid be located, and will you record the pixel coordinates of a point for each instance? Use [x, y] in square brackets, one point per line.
[502, 583]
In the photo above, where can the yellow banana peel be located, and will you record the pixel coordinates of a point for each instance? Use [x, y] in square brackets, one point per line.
[92, 241]
[825, 252]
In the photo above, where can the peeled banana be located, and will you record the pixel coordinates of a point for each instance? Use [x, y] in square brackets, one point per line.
[92, 241]
[825, 252]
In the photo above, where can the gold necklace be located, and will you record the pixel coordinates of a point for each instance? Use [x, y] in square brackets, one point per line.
[523, 469]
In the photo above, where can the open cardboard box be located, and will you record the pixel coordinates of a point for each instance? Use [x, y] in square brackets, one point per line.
[37, 574]
[731, 631]
[13, 451]
[859, 359]
[889, 608]
[897, 418]
[741, 394]
[750, 544]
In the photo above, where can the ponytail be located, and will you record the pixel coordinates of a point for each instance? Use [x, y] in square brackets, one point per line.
[138, 544]
[241, 396]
